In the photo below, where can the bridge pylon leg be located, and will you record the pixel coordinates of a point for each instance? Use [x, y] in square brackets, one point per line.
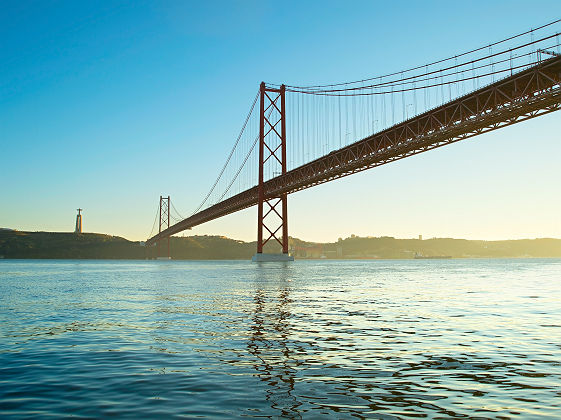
[272, 213]
[163, 225]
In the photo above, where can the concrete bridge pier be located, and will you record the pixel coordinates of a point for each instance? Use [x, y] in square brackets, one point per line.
[260, 257]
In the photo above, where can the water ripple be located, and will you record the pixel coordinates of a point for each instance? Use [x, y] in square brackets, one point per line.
[345, 339]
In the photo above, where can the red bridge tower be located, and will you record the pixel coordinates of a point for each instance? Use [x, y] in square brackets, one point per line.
[163, 225]
[272, 213]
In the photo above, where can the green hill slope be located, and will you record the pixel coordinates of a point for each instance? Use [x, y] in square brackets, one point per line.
[16, 244]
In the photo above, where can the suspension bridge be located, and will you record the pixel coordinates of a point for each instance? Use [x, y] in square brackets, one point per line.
[296, 137]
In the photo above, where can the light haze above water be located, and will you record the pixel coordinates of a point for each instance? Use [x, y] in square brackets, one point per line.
[340, 339]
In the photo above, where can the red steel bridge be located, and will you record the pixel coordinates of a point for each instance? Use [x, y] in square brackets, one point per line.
[296, 137]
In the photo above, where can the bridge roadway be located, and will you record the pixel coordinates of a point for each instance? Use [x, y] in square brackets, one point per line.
[527, 94]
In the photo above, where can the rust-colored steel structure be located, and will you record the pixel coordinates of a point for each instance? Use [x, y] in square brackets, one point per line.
[272, 146]
[164, 224]
[528, 94]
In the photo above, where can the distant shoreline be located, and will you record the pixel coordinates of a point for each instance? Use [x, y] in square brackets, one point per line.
[3, 258]
[93, 246]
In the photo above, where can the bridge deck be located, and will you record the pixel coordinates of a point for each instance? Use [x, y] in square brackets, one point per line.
[524, 95]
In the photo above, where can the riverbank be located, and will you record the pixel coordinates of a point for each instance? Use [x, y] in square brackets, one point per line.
[61, 245]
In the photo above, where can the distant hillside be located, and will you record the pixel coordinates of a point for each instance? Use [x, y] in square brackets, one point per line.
[16, 244]
[388, 247]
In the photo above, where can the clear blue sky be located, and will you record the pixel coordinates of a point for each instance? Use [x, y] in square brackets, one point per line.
[107, 105]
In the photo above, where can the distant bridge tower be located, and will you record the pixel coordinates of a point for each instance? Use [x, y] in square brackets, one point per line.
[272, 151]
[78, 228]
[164, 224]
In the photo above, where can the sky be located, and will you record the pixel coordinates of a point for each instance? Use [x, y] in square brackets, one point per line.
[108, 105]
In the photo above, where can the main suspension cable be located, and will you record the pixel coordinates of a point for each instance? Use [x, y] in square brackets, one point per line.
[230, 155]
[154, 224]
[531, 31]
[337, 92]
[401, 81]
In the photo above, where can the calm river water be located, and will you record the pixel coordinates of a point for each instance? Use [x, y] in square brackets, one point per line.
[339, 339]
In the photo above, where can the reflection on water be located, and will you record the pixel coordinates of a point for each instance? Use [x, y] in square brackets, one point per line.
[268, 342]
[389, 339]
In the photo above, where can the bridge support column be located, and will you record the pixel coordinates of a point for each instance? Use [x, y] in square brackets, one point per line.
[272, 213]
[164, 224]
